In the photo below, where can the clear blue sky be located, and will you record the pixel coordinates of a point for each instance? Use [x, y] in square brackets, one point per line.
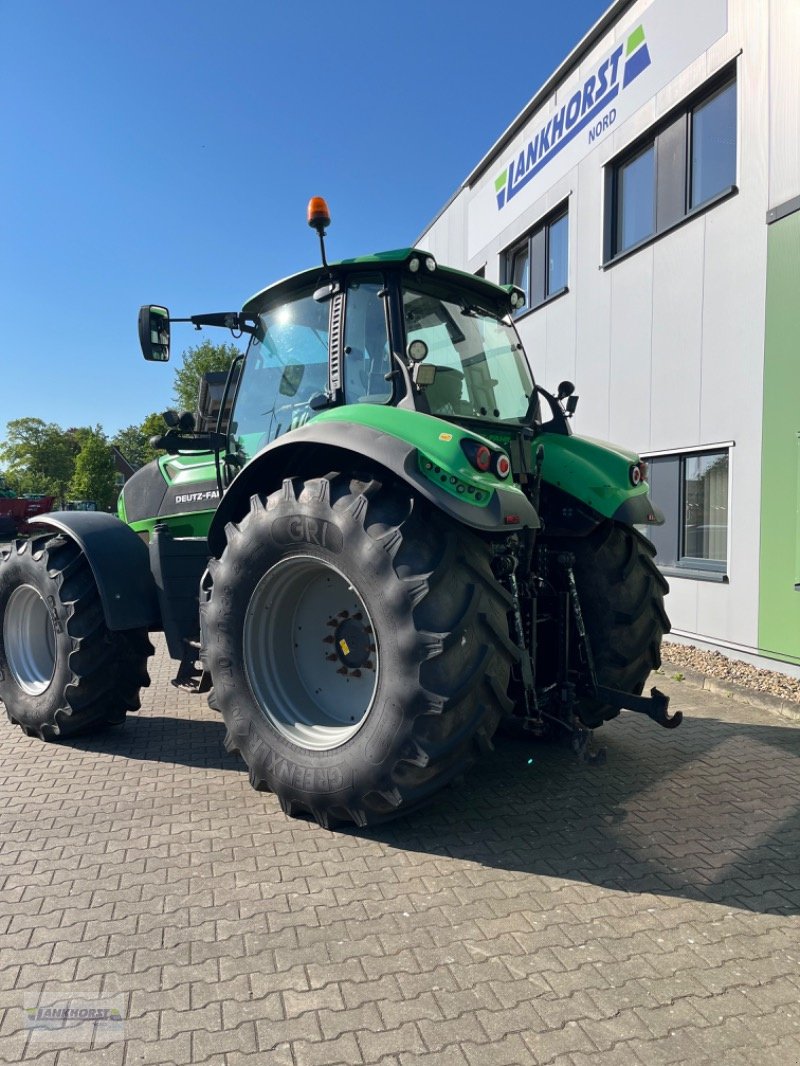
[164, 152]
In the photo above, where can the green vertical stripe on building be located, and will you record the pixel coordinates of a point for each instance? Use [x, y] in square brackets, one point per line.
[779, 600]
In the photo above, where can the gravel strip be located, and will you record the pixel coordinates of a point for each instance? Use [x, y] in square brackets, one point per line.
[714, 664]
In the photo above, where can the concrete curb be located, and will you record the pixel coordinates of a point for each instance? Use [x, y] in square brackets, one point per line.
[775, 704]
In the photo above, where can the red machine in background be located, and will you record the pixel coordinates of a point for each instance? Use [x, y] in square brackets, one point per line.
[15, 511]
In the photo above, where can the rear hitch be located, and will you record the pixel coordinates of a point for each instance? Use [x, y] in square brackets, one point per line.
[654, 706]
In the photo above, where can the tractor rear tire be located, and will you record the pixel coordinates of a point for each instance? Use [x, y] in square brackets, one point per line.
[621, 592]
[358, 647]
[62, 671]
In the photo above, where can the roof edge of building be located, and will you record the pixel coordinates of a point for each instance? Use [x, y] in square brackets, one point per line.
[587, 42]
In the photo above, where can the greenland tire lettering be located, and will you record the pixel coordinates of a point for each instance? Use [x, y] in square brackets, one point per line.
[304, 529]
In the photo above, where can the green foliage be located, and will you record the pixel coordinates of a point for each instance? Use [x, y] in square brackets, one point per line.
[39, 456]
[134, 441]
[94, 474]
[198, 360]
[42, 457]
[6, 487]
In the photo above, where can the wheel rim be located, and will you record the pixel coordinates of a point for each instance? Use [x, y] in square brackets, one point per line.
[311, 653]
[29, 638]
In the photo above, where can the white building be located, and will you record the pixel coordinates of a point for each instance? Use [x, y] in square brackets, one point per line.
[648, 201]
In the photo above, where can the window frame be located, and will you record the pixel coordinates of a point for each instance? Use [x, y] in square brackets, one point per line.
[536, 242]
[690, 566]
[351, 282]
[707, 98]
[671, 139]
[619, 199]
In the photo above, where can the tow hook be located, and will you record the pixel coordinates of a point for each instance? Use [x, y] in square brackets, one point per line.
[654, 706]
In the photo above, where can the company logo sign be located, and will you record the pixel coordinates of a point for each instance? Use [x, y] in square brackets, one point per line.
[589, 107]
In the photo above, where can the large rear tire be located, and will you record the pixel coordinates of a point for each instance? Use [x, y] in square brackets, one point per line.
[358, 647]
[621, 592]
[62, 671]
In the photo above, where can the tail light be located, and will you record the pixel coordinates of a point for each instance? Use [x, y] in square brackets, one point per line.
[502, 467]
[485, 459]
[638, 472]
[478, 454]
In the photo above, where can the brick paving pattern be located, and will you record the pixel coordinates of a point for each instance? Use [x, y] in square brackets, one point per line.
[542, 912]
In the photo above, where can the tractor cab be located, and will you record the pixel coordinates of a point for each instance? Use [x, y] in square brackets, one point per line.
[390, 330]
[394, 330]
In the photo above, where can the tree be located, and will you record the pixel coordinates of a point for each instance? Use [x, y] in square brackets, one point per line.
[6, 486]
[198, 360]
[94, 471]
[40, 456]
[134, 441]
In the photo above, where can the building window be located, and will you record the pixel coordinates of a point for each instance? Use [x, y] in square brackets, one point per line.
[636, 203]
[692, 490]
[539, 263]
[520, 269]
[685, 163]
[557, 253]
[713, 136]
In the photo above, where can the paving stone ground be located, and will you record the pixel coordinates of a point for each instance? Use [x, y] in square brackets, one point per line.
[545, 911]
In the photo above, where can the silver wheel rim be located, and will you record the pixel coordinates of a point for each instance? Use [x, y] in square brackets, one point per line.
[29, 639]
[311, 653]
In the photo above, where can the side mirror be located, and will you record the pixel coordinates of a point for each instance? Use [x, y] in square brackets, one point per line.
[154, 333]
[565, 388]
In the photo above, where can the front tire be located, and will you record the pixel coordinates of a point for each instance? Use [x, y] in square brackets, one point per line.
[358, 647]
[621, 592]
[62, 671]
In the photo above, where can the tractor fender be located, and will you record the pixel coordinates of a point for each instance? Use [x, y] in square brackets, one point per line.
[589, 480]
[120, 563]
[321, 446]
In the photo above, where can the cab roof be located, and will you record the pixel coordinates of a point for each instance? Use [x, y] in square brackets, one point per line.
[397, 258]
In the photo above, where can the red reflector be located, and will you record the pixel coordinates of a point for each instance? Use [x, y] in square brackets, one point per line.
[511, 519]
[503, 466]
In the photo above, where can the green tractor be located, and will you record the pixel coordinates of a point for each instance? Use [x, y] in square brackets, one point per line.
[389, 545]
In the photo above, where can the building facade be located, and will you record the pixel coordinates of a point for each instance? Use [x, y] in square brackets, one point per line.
[648, 202]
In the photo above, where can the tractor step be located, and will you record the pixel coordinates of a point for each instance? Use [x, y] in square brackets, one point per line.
[191, 677]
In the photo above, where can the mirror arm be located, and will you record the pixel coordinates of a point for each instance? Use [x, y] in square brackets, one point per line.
[231, 320]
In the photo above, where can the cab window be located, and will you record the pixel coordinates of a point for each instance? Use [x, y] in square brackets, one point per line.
[366, 343]
[286, 367]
